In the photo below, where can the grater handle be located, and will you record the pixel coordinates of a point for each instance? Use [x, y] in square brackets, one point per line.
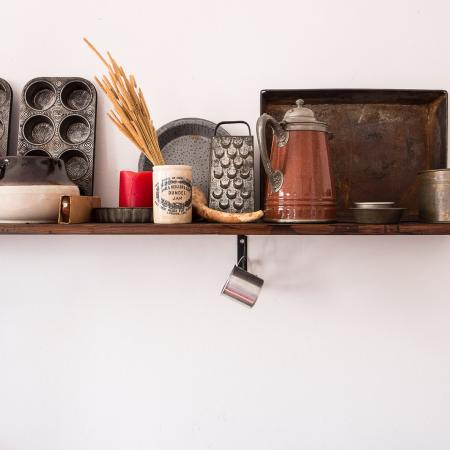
[231, 122]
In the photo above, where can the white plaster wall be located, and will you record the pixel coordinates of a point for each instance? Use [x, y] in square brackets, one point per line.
[124, 342]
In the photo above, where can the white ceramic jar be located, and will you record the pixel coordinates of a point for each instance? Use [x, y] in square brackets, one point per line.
[172, 194]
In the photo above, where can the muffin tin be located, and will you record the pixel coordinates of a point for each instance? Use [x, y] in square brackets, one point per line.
[5, 114]
[57, 119]
[231, 185]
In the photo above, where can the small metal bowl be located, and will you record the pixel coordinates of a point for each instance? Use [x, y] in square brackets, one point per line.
[373, 205]
[377, 215]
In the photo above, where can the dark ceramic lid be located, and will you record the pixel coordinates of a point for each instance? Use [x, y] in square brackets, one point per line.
[32, 170]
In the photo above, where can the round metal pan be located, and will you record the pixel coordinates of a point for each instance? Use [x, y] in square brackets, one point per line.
[187, 142]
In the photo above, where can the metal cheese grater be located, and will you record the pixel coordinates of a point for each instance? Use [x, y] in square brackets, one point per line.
[232, 181]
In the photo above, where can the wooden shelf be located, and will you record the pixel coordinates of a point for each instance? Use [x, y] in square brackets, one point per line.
[259, 228]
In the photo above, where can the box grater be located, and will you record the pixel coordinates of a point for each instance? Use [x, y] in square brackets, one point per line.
[232, 181]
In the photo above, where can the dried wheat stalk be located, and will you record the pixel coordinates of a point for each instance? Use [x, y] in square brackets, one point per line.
[130, 114]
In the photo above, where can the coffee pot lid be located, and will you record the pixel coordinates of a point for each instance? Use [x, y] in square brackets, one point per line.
[303, 116]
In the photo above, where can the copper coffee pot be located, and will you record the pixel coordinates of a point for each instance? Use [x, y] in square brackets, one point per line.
[299, 184]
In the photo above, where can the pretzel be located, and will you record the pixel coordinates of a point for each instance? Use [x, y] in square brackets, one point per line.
[200, 205]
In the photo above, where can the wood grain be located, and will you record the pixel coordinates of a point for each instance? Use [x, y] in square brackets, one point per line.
[260, 228]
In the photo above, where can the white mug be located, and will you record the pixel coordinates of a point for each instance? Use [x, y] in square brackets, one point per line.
[172, 194]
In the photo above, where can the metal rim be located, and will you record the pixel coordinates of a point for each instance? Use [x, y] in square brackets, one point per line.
[373, 203]
[435, 170]
[74, 117]
[377, 209]
[69, 153]
[176, 123]
[299, 221]
[305, 126]
[88, 88]
[30, 86]
[47, 120]
[37, 153]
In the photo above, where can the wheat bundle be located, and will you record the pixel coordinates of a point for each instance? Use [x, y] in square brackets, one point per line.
[130, 114]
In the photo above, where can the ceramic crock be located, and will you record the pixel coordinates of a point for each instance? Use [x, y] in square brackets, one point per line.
[172, 194]
[31, 188]
[299, 175]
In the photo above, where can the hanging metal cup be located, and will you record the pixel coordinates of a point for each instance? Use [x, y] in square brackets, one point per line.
[243, 286]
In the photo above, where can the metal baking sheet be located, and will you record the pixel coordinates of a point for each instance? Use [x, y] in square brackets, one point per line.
[380, 140]
[5, 115]
[187, 141]
[57, 119]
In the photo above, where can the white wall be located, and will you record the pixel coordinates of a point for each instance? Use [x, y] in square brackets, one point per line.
[124, 342]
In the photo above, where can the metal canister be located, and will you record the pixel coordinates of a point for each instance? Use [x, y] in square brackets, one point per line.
[434, 195]
[243, 286]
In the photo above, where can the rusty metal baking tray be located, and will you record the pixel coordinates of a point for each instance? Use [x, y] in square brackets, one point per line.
[5, 115]
[57, 118]
[380, 140]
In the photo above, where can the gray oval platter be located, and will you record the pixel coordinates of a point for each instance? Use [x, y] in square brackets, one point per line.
[187, 141]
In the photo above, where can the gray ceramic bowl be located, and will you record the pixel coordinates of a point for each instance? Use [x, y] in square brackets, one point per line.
[377, 215]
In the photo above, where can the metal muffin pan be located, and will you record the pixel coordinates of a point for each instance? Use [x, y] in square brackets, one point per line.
[57, 118]
[5, 114]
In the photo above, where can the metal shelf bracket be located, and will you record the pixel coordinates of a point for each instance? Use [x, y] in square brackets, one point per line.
[242, 248]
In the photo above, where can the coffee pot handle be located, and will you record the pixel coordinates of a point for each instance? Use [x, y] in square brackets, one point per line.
[275, 176]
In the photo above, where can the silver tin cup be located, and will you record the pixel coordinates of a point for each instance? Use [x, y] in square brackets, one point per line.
[243, 286]
[434, 195]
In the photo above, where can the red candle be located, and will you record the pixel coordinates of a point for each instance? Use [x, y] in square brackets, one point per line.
[136, 189]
